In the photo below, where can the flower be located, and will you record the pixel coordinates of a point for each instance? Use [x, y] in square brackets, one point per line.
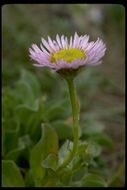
[64, 54]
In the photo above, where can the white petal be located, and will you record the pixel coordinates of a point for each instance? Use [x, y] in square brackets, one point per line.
[58, 41]
[44, 50]
[46, 44]
[62, 41]
[70, 45]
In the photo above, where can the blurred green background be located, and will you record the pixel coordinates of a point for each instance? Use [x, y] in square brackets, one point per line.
[101, 89]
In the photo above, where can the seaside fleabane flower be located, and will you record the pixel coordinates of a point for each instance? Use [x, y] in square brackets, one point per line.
[68, 57]
[65, 54]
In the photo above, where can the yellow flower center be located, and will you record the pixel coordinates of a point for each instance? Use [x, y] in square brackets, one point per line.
[68, 55]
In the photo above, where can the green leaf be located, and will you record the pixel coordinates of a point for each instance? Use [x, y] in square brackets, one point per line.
[48, 144]
[115, 179]
[28, 77]
[103, 140]
[93, 149]
[88, 150]
[10, 135]
[92, 127]
[64, 151]
[29, 179]
[56, 110]
[78, 173]
[93, 180]
[11, 176]
[33, 105]
[13, 154]
[29, 125]
[25, 140]
[50, 179]
[27, 91]
[8, 104]
[63, 129]
[23, 143]
[25, 96]
[50, 162]
[66, 176]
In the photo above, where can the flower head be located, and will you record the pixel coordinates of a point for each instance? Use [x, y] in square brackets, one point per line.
[64, 54]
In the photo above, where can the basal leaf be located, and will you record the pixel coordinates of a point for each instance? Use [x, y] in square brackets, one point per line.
[103, 140]
[27, 91]
[23, 93]
[8, 103]
[93, 149]
[48, 144]
[78, 173]
[64, 151]
[50, 179]
[23, 143]
[32, 107]
[10, 135]
[88, 150]
[30, 78]
[50, 162]
[11, 176]
[63, 129]
[29, 179]
[92, 127]
[56, 110]
[66, 176]
[93, 180]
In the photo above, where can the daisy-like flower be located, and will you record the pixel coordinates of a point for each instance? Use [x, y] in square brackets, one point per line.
[62, 54]
[67, 57]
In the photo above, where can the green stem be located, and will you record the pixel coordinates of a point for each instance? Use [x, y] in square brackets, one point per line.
[75, 112]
